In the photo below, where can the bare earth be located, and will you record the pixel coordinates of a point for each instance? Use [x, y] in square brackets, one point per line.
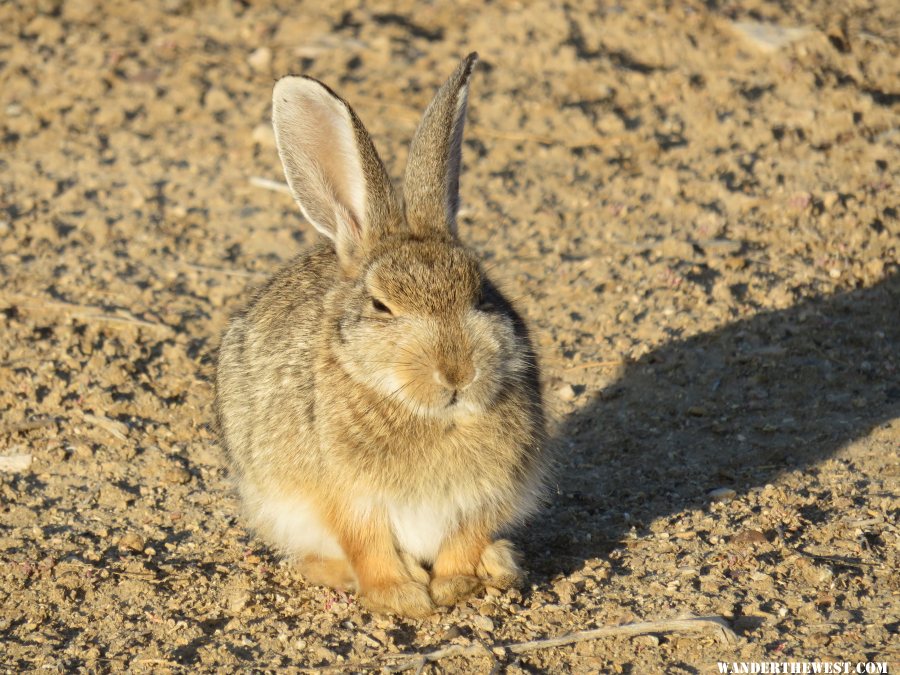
[699, 218]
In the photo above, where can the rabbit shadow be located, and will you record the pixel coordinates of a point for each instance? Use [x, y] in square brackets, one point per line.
[734, 407]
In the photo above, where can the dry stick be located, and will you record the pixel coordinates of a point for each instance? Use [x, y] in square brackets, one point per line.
[84, 311]
[28, 425]
[714, 625]
[597, 364]
[697, 624]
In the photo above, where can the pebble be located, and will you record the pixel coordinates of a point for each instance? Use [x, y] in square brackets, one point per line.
[768, 37]
[177, 475]
[131, 541]
[238, 600]
[565, 591]
[829, 199]
[722, 494]
[749, 537]
[567, 392]
[260, 59]
[451, 633]
[647, 640]
[15, 463]
[483, 623]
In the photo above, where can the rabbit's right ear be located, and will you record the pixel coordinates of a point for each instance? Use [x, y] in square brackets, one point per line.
[331, 166]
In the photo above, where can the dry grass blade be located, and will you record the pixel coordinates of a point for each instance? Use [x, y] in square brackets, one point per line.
[112, 427]
[267, 184]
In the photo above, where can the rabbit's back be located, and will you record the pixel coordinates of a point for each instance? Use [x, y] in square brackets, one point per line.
[265, 388]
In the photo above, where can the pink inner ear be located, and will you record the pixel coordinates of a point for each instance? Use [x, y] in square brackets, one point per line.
[321, 157]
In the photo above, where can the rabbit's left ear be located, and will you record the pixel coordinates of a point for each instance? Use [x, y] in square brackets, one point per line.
[431, 181]
[332, 167]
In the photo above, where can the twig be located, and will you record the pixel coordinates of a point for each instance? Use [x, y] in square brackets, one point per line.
[267, 184]
[838, 559]
[714, 625]
[28, 425]
[598, 364]
[418, 661]
[84, 311]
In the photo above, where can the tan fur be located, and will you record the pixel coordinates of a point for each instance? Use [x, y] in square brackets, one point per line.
[371, 445]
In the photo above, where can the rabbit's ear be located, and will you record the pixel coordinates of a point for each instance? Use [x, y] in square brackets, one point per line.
[331, 166]
[431, 182]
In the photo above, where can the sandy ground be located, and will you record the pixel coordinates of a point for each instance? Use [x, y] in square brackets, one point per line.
[698, 217]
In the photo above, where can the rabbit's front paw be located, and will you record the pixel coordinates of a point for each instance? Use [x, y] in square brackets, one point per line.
[498, 567]
[407, 598]
[447, 591]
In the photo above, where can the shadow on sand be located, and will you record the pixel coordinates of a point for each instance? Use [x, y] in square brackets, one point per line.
[734, 407]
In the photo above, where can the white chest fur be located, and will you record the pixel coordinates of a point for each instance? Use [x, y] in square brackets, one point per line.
[420, 528]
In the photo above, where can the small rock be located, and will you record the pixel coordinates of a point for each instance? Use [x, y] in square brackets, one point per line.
[263, 135]
[238, 600]
[131, 541]
[721, 247]
[722, 494]
[260, 59]
[325, 654]
[749, 537]
[451, 633]
[177, 475]
[566, 392]
[647, 640]
[672, 247]
[767, 37]
[15, 463]
[829, 199]
[483, 623]
[565, 591]
[488, 609]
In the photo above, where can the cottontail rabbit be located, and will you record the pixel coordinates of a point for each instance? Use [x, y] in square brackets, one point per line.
[379, 397]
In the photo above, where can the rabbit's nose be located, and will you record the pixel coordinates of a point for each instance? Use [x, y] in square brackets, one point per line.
[455, 377]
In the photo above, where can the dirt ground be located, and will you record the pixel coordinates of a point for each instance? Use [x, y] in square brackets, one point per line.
[696, 205]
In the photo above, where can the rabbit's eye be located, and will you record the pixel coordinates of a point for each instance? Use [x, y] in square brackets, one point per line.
[379, 306]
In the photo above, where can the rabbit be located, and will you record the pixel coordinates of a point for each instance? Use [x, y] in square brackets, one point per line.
[379, 398]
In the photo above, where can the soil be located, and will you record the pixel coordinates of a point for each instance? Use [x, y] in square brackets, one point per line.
[696, 207]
